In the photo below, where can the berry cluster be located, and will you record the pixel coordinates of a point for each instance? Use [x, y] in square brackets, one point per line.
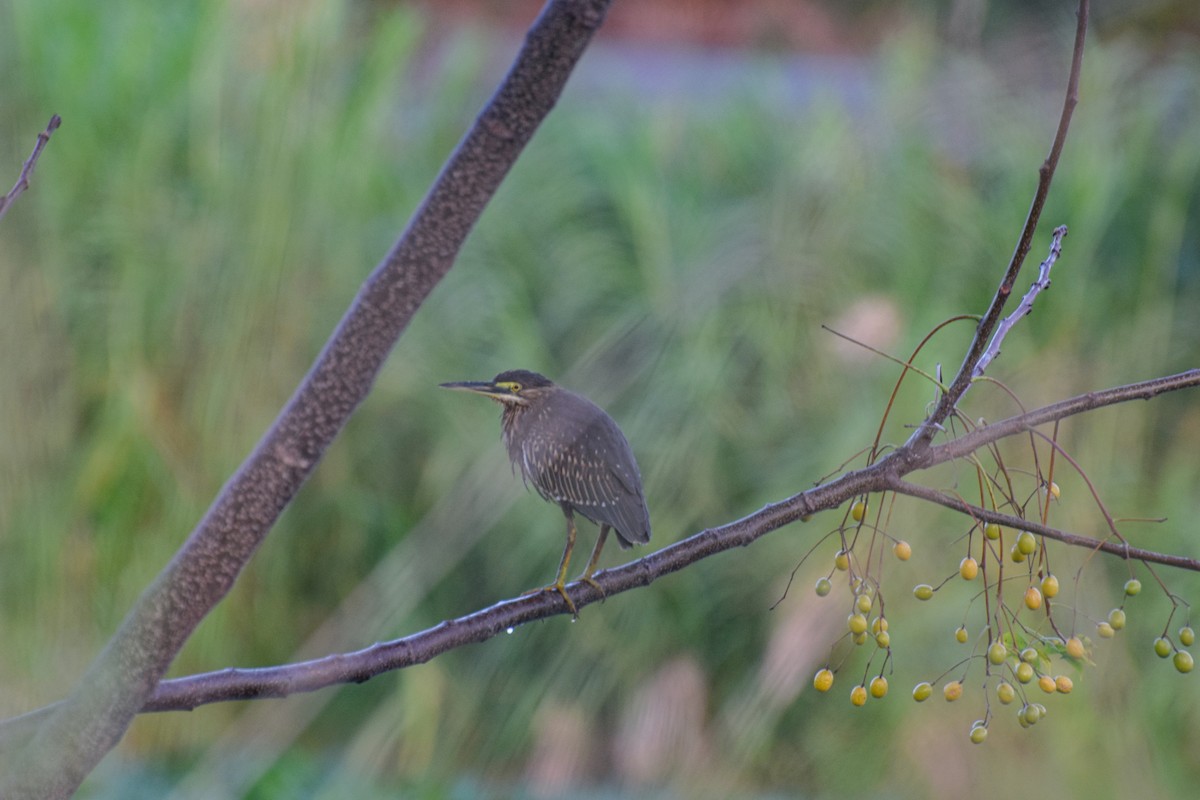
[1024, 654]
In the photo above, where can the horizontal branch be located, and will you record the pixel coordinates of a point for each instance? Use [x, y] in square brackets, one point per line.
[186, 693]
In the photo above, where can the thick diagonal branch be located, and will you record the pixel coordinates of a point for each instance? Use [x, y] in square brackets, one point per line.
[120, 680]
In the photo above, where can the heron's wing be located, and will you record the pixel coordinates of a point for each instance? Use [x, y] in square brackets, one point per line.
[589, 465]
[609, 488]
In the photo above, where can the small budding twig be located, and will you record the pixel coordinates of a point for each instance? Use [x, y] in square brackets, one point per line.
[27, 170]
[1025, 306]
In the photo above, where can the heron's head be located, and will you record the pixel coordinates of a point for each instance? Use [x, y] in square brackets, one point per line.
[517, 387]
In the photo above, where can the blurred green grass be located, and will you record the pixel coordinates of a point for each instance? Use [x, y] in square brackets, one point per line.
[227, 174]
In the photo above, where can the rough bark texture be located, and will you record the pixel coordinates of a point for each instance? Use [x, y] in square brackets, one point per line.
[94, 717]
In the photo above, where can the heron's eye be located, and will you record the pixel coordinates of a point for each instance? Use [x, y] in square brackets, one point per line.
[512, 386]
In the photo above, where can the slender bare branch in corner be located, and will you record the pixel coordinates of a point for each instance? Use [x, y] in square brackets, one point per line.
[27, 170]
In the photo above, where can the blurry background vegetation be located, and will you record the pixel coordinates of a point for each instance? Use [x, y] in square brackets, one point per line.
[671, 242]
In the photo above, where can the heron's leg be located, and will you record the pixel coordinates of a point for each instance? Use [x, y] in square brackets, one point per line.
[586, 577]
[561, 581]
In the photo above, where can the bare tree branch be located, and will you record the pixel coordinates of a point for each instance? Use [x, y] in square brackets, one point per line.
[1124, 550]
[181, 694]
[27, 170]
[1144, 390]
[281, 681]
[90, 721]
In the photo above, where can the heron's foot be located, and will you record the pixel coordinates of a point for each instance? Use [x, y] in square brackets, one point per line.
[587, 578]
[558, 587]
[562, 592]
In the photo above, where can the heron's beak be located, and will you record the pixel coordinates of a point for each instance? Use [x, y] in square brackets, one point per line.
[499, 392]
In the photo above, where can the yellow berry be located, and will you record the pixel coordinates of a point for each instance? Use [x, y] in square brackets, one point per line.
[824, 587]
[991, 531]
[1033, 598]
[922, 691]
[952, 691]
[1031, 713]
[857, 623]
[923, 591]
[978, 733]
[1005, 692]
[960, 635]
[1116, 618]
[842, 560]
[1105, 631]
[863, 603]
[883, 639]
[1063, 684]
[1132, 586]
[1075, 647]
[902, 550]
[1162, 647]
[859, 638]
[1046, 684]
[858, 510]
[1017, 555]
[879, 625]
[1050, 586]
[858, 695]
[1183, 661]
[1029, 655]
[879, 686]
[1024, 672]
[1026, 543]
[1055, 492]
[997, 653]
[968, 568]
[823, 680]
[1187, 636]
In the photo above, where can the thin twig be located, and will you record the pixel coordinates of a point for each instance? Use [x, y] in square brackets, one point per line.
[924, 434]
[27, 170]
[1144, 390]
[1018, 523]
[1040, 284]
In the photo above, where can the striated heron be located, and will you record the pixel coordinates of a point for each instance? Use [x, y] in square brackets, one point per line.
[574, 455]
